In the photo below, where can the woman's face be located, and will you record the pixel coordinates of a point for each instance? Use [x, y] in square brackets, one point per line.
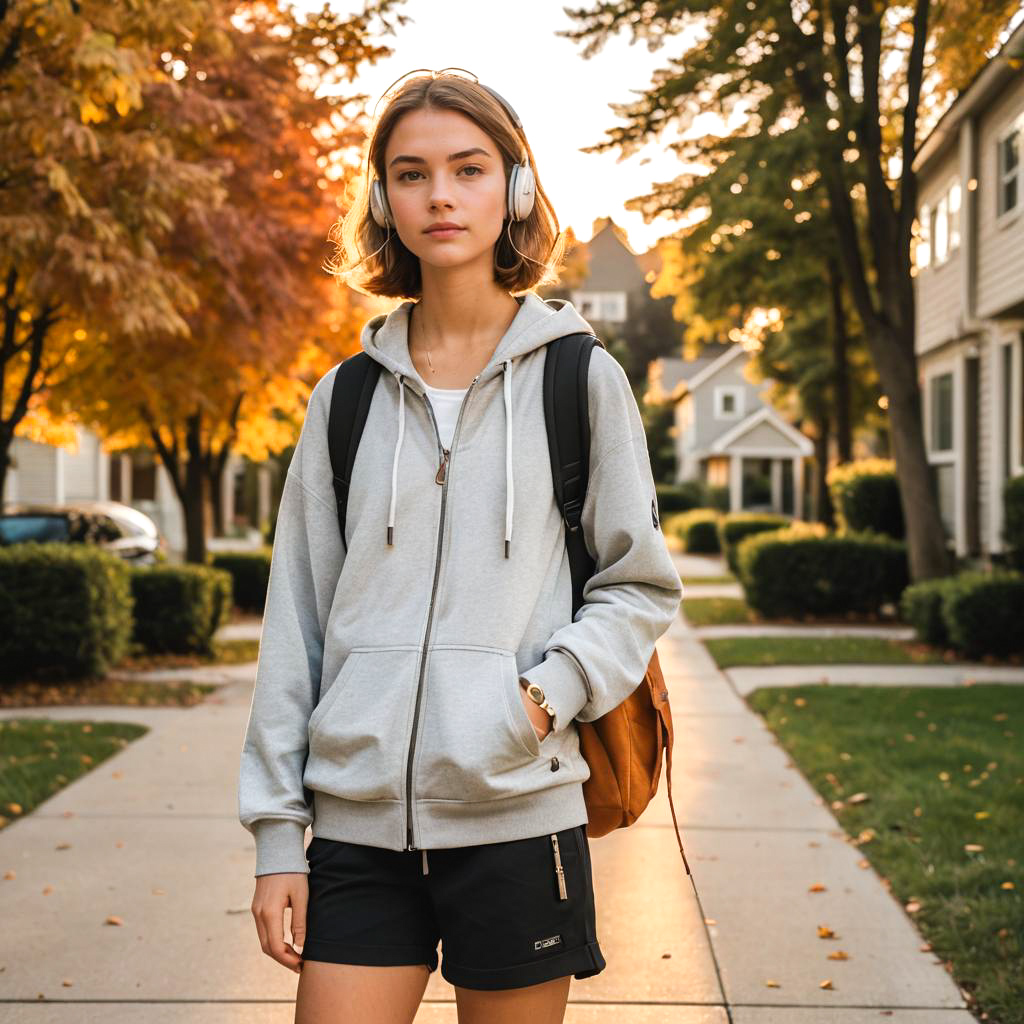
[424, 186]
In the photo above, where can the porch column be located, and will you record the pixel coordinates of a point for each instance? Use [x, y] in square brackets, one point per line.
[735, 483]
[776, 485]
[798, 487]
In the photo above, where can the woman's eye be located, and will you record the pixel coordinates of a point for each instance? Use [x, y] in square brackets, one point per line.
[470, 167]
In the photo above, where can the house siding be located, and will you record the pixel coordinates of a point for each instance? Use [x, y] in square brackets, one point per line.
[1000, 242]
[938, 286]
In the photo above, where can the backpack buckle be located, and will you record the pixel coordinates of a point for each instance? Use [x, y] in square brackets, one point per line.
[572, 511]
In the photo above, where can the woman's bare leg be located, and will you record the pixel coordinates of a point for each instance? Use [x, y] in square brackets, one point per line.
[354, 994]
[539, 1004]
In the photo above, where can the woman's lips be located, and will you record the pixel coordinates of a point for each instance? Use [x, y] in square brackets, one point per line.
[445, 232]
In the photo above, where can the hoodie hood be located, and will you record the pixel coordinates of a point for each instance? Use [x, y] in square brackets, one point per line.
[385, 338]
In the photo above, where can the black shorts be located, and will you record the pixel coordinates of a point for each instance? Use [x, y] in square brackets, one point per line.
[498, 909]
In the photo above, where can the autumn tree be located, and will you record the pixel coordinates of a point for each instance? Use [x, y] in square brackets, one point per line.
[252, 101]
[860, 76]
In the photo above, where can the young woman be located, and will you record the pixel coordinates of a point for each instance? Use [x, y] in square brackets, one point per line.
[419, 679]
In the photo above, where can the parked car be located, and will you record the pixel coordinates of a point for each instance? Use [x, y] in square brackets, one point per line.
[120, 529]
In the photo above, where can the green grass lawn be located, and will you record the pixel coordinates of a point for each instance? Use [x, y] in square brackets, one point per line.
[731, 651]
[716, 611]
[696, 581]
[38, 757]
[941, 771]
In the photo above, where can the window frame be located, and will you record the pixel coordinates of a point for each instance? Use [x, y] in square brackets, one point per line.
[738, 394]
[1003, 177]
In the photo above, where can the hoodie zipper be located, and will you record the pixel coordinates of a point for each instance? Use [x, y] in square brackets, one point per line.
[442, 478]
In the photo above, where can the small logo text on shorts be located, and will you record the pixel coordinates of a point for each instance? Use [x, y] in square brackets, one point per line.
[552, 940]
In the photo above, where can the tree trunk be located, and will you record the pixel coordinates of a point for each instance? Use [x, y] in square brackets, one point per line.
[926, 535]
[195, 494]
[823, 512]
[840, 364]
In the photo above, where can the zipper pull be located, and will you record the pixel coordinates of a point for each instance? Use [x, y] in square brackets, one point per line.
[439, 478]
[559, 870]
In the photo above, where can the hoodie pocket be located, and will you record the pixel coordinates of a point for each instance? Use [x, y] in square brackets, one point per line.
[476, 738]
[357, 732]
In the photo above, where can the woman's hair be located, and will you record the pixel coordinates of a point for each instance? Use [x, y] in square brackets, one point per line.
[392, 270]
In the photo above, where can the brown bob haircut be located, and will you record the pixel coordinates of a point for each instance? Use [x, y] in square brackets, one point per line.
[394, 271]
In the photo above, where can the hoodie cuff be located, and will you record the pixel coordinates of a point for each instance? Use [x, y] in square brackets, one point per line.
[280, 846]
[563, 685]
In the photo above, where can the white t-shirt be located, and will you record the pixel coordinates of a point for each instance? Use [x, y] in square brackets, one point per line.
[446, 403]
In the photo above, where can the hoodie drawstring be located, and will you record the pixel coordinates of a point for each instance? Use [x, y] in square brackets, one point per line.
[394, 464]
[506, 367]
[509, 497]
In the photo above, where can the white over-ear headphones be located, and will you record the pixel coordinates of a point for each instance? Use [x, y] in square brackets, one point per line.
[520, 181]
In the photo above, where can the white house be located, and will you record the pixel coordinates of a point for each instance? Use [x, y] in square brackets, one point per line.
[726, 435]
[969, 285]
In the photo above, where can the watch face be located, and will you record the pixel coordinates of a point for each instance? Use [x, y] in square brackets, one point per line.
[535, 692]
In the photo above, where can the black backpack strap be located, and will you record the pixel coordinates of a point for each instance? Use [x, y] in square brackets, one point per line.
[352, 393]
[567, 417]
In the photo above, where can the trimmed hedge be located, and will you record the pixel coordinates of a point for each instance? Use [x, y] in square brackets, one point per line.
[733, 527]
[921, 607]
[66, 611]
[982, 612]
[250, 574]
[698, 530]
[1013, 520]
[801, 571]
[866, 496]
[679, 497]
[178, 608]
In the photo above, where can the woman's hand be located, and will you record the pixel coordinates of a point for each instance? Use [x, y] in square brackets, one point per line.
[273, 894]
[538, 716]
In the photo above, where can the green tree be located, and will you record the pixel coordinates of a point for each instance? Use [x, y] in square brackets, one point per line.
[855, 75]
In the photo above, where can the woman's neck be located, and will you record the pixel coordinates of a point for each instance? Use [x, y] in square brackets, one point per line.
[453, 336]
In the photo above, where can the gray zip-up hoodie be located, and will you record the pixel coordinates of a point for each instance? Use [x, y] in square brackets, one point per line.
[387, 708]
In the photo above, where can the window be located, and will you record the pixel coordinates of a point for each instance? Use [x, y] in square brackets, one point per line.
[941, 404]
[946, 223]
[728, 402]
[942, 230]
[607, 306]
[1009, 171]
[923, 249]
[954, 215]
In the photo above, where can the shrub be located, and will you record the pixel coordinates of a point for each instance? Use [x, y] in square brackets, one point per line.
[717, 497]
[921, 607]
[1013, 520]
[698, 530]
[982, 613]
[801, 571]
[866, 496]
[66, 611]
[250, 573]
[178, 608]
[679, 497]
[734, 527]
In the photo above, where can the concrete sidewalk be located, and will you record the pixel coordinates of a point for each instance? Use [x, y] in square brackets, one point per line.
[154, 839]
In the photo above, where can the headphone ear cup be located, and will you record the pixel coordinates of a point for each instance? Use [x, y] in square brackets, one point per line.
[379, 208]
[520, 191]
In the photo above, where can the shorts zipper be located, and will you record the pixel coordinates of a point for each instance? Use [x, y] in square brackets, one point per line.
[559, 870]
[442, 479]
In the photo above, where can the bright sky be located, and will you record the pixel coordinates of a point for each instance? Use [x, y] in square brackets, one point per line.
[561, 99]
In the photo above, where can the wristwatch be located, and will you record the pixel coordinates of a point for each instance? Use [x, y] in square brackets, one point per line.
[536, 694]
